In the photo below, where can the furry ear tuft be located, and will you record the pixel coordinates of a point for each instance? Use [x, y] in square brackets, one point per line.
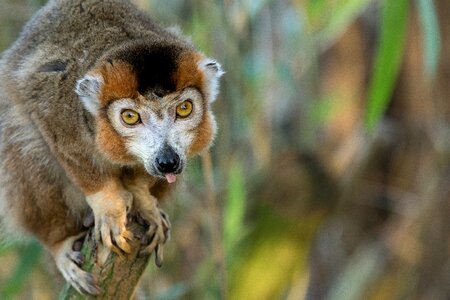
[88, 89]
[213, 71]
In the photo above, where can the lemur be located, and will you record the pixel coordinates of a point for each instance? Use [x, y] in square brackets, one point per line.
[100, 108]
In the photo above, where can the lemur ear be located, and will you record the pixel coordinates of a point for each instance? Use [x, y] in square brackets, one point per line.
[213, 71]
[88, 89]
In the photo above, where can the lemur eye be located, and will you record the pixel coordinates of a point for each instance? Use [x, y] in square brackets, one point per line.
[130, 117]
[184, 109]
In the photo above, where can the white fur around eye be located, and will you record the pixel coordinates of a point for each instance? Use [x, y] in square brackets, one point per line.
[196, 115]
[114, 115]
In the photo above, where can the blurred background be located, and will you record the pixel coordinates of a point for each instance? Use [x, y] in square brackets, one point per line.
[330, 173]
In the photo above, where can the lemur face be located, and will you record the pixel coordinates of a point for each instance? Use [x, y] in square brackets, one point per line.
[152, 105]
[161, 131]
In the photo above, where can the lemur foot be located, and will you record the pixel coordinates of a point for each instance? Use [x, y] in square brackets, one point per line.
[157, 234]
[68, 260]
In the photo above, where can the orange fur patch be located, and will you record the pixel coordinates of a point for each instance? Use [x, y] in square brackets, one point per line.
[110, 143]
[119, 81]
[188, 73]
[204, 135]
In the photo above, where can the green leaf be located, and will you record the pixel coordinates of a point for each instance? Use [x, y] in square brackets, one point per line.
[30, 256]
[431, 35]
[234, 209]
[394, 20]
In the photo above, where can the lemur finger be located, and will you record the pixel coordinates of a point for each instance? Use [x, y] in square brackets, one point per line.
[102, 255]
[166, 227]
[152, 229]
[148, 237]
[166, 232]
[85, 283]
[141, 220]
[156, 240]
[97, 234]
[128, 198]
[149, 243]
[119, 235]
[165, 217]
[122, 244]
[145, 251]
[77, 258]
[92, 284]
[165, 223]
[106, 236]
[128, 235]
[159, 256]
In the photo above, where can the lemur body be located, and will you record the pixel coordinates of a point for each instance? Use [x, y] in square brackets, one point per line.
[97, 101]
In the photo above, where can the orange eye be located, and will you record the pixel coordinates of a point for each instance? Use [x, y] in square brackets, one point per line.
[130, 117]
[185, 109]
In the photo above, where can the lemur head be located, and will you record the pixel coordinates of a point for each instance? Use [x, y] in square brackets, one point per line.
[151, 103]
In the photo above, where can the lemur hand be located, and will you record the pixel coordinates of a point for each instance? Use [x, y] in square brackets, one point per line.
[110, 217]
[157, 234]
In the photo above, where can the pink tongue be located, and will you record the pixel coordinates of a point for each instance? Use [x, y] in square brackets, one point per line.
[171, 178]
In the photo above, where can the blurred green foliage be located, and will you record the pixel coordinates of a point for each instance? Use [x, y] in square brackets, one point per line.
[234, 212]
[391, 45]
[29, 257]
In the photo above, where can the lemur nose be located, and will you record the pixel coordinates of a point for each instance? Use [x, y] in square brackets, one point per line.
[168, 161]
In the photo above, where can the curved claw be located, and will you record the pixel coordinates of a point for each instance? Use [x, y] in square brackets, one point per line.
[159, 256]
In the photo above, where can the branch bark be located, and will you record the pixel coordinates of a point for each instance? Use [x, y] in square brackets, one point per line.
[119, 276]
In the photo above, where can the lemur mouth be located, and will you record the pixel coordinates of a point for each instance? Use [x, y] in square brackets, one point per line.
[170, 177]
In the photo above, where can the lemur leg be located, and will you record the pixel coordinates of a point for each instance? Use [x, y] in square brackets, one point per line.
[146, 208]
